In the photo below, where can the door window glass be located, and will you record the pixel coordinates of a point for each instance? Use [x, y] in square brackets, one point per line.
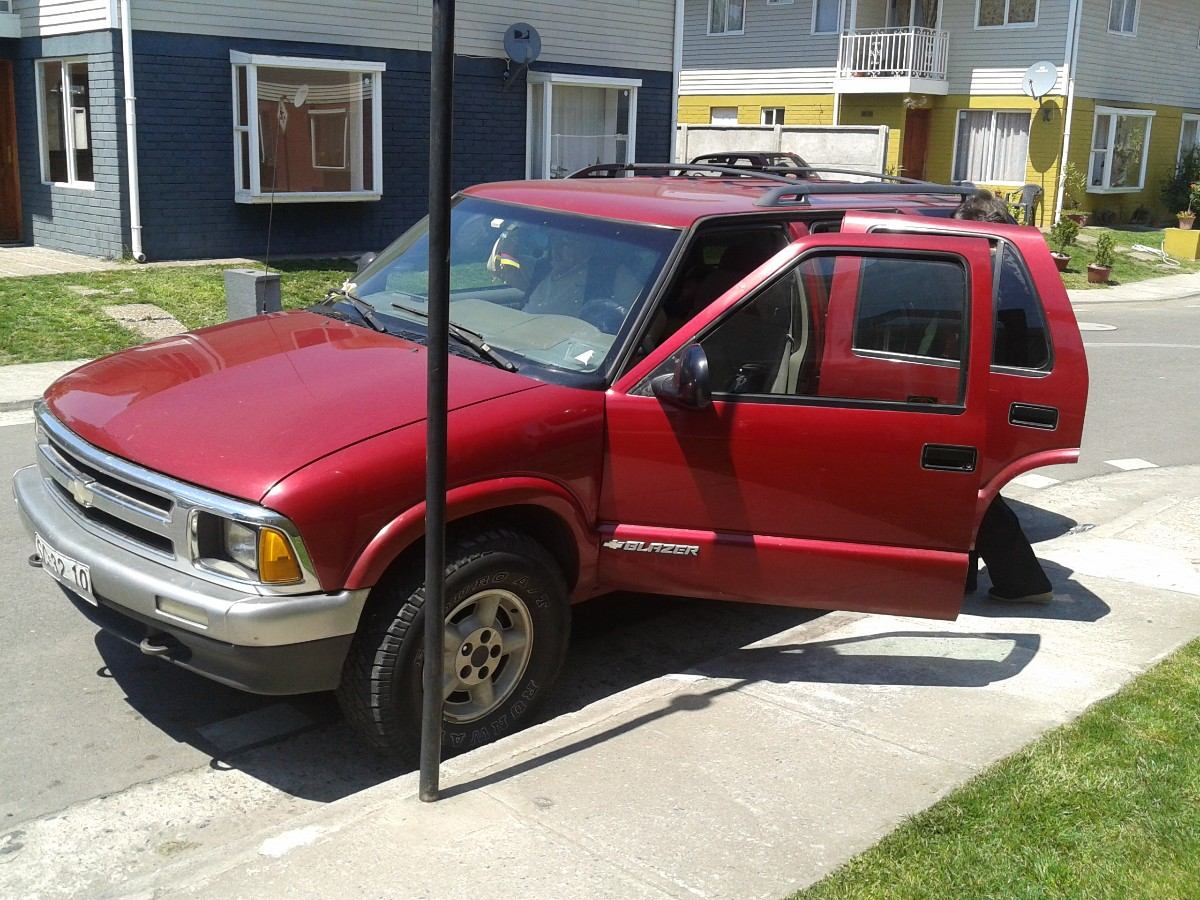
[848, 327]
[1021, 338]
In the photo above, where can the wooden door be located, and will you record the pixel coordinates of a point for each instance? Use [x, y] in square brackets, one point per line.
[10, 183]
[916, 142]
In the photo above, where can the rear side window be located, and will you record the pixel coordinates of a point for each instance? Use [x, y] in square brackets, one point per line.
[911, 308]
[1021, 340]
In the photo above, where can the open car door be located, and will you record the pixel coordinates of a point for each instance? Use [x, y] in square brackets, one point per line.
[837, 464]
[1039, 383]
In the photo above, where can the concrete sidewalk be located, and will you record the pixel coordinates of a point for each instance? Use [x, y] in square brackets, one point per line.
[22, 385]
[1169, 287]
[757, 773]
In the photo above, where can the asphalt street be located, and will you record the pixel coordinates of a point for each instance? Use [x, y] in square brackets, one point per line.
[86, 717]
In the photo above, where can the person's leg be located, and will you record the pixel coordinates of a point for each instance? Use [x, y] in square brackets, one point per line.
[1015, 572]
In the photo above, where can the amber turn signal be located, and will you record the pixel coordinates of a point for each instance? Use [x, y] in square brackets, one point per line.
[277, 563]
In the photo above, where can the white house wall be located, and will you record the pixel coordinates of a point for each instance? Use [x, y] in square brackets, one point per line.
[1160, 64]
[625, 33]
[991, 61]
[52, 17]
[778, 54]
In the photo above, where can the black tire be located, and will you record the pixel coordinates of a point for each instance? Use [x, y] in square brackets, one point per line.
[380, 692]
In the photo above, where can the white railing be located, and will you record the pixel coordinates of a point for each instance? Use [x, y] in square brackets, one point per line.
[894, 52]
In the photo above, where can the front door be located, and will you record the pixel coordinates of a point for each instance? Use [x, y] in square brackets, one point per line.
[802, 484]
[10, 184]
[916, 143]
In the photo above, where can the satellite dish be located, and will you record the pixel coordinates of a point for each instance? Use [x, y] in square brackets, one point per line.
[301, 96]
[1039, 79]
[522, 43]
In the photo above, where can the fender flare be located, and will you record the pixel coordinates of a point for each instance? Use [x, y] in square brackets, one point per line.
[471, 499]
[988, 492]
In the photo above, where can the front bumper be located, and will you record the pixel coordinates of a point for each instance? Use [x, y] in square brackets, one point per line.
[263, 644]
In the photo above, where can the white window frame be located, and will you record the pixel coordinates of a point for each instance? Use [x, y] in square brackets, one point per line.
[726, 29]
[1114, 113]
[260, 193]
[5, 6]
[840, 18]
[548, 80]
[1037, 12]
[1187, 117]
[777, 113]
[958, 120]
[68, 122]
[1137, 13]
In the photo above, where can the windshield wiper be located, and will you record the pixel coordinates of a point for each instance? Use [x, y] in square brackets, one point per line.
[472, 339]
[364, 309]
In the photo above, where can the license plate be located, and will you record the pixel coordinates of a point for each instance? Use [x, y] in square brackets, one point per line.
[75, 575]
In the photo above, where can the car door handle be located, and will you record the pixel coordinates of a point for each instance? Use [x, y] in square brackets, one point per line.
[1030, 415]
[948, 458]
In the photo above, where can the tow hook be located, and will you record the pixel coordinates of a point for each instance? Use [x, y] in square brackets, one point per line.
[155, 644]
[35, 560]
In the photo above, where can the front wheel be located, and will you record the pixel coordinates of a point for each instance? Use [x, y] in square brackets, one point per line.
[507, 624]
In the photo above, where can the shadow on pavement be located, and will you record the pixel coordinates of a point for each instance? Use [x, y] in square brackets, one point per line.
[1040, 524]
[1072, 601]
[617, 642]
[933, 658]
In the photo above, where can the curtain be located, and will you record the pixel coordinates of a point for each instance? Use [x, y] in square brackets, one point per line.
[992, 146]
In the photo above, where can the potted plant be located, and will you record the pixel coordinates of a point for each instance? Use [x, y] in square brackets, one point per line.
[1102, 261]
[1074, 191]
[1187, 217]
[1062, 236]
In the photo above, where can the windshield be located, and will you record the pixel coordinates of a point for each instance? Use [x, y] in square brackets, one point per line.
[550, 287]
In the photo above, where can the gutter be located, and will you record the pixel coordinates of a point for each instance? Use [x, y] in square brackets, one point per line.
[131, 152]
[676, 69]
[1070, 62]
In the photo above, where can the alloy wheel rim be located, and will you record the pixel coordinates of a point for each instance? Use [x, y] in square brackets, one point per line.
[487, 645]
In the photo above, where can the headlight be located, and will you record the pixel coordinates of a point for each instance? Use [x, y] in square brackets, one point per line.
[244, 550]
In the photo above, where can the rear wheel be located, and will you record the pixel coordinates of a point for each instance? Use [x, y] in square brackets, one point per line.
[507, 623]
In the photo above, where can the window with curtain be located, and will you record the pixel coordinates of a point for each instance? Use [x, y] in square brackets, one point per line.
[726, 16]
[577, 121]
[1122, 16]
[1120, 142]
[827, 16]
[992, 147]
[1189, 136]
[65, 122]
[773, 115]
[998, 13]
[722, 115]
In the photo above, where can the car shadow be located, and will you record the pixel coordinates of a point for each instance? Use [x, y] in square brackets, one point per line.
[301, 745]
[1041, 524]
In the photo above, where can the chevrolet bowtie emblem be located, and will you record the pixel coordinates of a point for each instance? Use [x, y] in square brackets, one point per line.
[82, 492]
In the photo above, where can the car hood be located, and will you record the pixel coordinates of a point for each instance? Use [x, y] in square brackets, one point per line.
[238, 407]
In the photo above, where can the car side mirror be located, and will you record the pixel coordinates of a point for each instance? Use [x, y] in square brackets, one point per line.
[365, 260]
[688, 386]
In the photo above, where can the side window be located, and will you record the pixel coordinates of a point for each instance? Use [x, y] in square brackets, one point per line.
[848, 327]
[1021, 338]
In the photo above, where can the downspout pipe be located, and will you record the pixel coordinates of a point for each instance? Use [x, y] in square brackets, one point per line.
[1070, 62]
[676, 70]
[131, 152]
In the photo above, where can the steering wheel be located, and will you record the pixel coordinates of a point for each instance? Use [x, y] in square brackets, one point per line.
[604, 313]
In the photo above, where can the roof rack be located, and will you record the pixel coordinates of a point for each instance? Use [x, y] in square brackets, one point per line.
[802, 190]
[797, 188]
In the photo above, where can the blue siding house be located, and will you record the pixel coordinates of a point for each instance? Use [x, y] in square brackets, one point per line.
[317, 110]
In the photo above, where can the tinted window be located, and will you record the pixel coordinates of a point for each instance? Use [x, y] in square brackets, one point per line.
[911, 308]
[1021, 339]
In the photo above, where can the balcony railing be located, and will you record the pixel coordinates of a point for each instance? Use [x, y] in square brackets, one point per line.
[894, 53]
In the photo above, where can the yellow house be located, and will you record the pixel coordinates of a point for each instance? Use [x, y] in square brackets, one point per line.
[1119, 98]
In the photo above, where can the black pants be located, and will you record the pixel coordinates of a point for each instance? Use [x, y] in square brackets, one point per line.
[1014, 570]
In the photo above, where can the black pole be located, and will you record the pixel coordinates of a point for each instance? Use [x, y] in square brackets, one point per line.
[441, 111]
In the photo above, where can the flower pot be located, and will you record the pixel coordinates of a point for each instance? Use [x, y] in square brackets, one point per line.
[1185, 222]
[1079, 219]
[1061, 261]
[1098, 274]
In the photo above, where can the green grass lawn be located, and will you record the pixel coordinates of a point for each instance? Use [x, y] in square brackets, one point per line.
[56, 317]
[1108, 806]
[1127, 268]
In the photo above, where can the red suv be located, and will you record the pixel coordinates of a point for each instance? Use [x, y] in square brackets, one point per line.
[738, 386]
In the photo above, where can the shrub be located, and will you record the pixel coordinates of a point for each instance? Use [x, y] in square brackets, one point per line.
[1074, 187]
[1063, 234]
[1178, 191]
[1105, 250]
